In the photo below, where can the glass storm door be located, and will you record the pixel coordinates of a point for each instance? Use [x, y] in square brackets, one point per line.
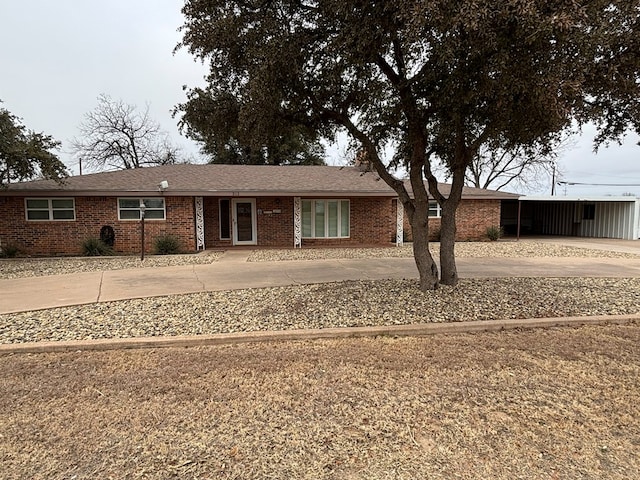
[244, 221]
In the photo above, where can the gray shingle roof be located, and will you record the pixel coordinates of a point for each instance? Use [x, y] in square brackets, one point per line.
[226, 180]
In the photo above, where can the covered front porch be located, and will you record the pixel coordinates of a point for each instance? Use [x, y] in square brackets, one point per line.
[296, 221]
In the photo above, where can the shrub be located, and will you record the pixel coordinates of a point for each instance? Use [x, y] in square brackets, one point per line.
[494, 233]
[9, 250]
[94, 247]
[167, 245]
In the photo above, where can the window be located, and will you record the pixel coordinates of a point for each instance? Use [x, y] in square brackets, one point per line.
[589, 211]
[434, 209]
[129, 208]
[325, 218]
[225, 225]
[50, 209]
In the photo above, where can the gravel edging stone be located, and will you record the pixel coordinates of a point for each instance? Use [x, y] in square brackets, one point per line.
[415, 330]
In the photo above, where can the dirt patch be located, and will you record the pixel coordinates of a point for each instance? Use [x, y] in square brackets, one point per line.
[558, 403]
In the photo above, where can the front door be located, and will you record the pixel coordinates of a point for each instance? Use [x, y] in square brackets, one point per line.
[244, 221]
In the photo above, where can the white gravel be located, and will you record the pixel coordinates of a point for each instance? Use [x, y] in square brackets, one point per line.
[503, 249]
[37, 267]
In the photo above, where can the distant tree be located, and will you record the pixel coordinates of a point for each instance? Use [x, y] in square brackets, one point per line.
[117, 136]
[214, 120]
[523, 168]
[26, 155]
[498, 168]
[437, 80]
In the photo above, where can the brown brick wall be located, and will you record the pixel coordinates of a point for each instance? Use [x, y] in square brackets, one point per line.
[275, 229]
[373, 222]
[66, 237]
[475, 216]
[472, 219]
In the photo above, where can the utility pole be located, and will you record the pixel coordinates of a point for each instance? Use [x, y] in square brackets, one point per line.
[553, 179]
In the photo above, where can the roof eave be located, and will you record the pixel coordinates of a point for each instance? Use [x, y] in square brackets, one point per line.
[192, 193]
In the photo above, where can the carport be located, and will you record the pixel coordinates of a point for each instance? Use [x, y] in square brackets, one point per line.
[596, 217]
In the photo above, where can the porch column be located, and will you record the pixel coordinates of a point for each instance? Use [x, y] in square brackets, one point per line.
[399, 224]
[297, 222]
[199, 206]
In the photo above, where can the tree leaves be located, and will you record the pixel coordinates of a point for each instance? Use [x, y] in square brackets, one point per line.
[24, 154]
[223, 124]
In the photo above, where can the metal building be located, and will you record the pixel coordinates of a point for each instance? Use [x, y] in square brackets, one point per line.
[597, 217]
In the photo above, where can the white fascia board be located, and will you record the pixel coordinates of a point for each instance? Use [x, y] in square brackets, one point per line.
[578, 199]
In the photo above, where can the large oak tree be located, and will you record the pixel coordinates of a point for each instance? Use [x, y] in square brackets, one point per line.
[434, 79]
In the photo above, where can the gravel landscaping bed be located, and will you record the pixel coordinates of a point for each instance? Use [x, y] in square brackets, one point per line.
[340, 304]
[36, 267]
[504, 249]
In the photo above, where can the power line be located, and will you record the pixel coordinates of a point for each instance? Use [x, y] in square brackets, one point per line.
[601, 184]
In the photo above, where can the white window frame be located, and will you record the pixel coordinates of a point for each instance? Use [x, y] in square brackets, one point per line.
[326, 217]
[50, 209]
[434, 204]
[148, 209]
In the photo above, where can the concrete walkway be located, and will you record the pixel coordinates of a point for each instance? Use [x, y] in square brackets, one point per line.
[234, 272]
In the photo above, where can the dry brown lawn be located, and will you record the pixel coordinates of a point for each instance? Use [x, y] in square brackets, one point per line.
[538, 404]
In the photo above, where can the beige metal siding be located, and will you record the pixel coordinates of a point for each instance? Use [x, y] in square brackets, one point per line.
[611, 220]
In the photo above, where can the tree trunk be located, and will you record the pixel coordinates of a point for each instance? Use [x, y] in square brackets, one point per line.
[448, 243]
[427, 268]
[449, 274]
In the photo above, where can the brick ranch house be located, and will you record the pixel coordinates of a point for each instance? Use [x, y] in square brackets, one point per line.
[217, 206]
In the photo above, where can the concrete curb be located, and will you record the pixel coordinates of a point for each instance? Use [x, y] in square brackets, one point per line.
[312, 334]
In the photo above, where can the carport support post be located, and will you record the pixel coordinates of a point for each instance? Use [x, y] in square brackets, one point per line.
[142, 210]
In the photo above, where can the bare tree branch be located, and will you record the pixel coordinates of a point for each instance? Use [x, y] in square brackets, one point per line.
[526, 169]
[117, 136]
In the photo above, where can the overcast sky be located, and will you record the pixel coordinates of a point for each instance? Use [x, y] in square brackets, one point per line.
[58, 56]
